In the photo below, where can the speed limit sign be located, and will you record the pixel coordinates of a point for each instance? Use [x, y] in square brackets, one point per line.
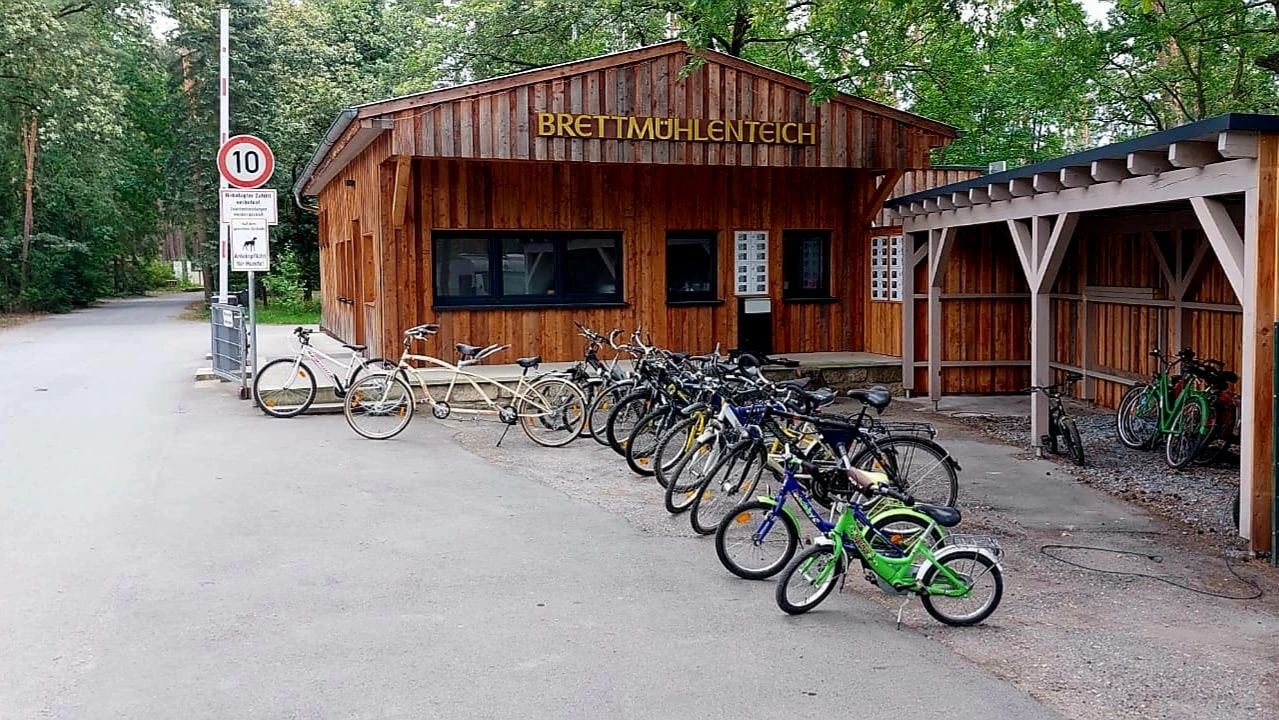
[245, 161]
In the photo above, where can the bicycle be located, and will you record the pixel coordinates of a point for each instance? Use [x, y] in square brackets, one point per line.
[1060, 423]
[549, 408]
[1171, 406]
[289, 386]
[908, 569]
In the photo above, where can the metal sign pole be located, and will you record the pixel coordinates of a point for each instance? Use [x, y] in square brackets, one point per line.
[224, 123]
[252, 356]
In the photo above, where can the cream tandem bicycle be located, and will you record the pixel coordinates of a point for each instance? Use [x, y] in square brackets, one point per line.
[549, 408]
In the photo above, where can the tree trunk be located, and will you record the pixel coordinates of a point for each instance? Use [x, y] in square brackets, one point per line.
[30, 131]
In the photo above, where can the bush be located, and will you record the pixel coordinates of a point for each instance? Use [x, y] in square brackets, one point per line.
[283, 285]
[62, 274]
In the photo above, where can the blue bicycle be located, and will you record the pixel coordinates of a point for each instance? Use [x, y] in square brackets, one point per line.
[758, 538]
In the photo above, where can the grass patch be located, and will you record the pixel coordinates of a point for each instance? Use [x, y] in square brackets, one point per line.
[306, 314]
[12, 319]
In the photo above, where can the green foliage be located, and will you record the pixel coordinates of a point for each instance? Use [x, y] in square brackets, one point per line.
[63, 275]
[284, 284]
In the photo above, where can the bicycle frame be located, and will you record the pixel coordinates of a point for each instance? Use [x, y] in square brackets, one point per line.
[318, 357]
[901, 573]
[491, 406]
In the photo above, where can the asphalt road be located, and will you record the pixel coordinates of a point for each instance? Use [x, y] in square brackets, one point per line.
[166, 552]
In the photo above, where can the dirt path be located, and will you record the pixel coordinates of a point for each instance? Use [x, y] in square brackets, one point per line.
[1092, 646]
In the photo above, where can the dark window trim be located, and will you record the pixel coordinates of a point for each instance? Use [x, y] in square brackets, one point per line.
[818, 294]
[498, 300]
[812, 300]
[694, 298]
[694, 303]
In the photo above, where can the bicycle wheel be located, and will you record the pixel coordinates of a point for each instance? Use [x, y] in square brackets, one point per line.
[601, 406]
[808, 579]
[284, 387]
[1137, 418]
[379, 407]
[552, 412]
[624, 416]
[374, 365]
[902, 527]
[641, 445]
[980, 578]
[1074, 444]
[729, 483]
[672, 447]
[915, 465]
[687, 479]
[755, 540]
[1188, 434]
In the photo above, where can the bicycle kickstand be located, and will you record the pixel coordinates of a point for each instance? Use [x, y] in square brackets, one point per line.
[505, 430]
[901, 609]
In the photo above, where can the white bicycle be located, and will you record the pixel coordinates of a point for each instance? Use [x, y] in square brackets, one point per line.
[549, 408]
[286, 386]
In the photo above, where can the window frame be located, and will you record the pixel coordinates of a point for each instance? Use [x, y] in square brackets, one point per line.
[708, 297]
[792, 260]
[497, 299]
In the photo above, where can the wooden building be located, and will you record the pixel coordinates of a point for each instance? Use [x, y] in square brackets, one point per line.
[703, 197]
[1088, 262]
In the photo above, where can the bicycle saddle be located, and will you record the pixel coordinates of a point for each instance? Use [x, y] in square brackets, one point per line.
[796, 384]
[529, 362]
[877, 397]
[467, 351]
[355, 348]
[944, 516]
[820, 397]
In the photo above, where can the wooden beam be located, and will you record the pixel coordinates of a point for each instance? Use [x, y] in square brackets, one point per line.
[1193, 154]
[945, 202]
[917, 208]
[1223, 178]
[1076, 177]
[1261, 310]
[1237, 144]
[1040, 333]
[1021, 187]
[934, 319]
[940, 243]
[1055, 253]
[1164, 267]
[960, 199]
[931, 205]
[1192, 273]
[1047, 182]
[911, 255]
[399, 200]
[998, 192]
[1020, 232]
[1110, 170]
[1224, 238]
[978, 196]
[887, 182]
[921, 253]
[1148, 162]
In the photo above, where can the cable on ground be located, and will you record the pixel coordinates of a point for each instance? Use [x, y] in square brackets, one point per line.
[1153, 558]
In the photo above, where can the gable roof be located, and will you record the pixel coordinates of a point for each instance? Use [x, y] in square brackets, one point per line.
[923, 132]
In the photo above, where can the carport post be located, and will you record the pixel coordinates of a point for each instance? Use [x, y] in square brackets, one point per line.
[939, 244]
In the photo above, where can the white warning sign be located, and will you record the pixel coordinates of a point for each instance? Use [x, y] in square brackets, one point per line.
[250, 247]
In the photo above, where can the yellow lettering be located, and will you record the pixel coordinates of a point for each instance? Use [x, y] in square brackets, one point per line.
[733, 131]
[808, 134]
[786, 136]
[545, 123]
[642, 131]
[621, 122]
[582, 124]
[599, 125]
[697, 130]
[715, 131]
[750, 125]
[564, 125]
[662, 123]
[684, 127]
[767, 132]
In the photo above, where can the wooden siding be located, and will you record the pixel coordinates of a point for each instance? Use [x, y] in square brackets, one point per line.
[496, 120]
[642, 204]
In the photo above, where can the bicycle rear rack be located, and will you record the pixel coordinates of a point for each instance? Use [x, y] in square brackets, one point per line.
[977, 542]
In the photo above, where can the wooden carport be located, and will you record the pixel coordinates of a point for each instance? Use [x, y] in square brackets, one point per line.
[1177, 229]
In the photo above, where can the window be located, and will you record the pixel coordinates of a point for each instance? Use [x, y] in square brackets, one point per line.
[886, 267]
[806, 264]
[691, 267]
[527, 268]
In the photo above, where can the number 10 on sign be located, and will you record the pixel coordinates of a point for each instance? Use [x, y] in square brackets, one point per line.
[246, 162]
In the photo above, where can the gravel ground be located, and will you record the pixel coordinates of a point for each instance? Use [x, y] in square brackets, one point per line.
[1200, 497]
[1090, 645]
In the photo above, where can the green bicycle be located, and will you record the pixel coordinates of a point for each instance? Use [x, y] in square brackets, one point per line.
[1172, 406]
[959, 584]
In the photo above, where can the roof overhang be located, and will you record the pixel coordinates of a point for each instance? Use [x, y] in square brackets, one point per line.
[346, 138]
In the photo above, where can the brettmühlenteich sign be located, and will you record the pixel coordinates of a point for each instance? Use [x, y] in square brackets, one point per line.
[620, 127]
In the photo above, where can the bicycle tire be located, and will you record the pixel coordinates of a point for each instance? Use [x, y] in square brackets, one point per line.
[641, 444]
[743, 515]
[379, 387]
[815, 559]
[601, 405]
[273, 403]
[726, 486]
[930, 601]
[678, 440]
[1183, 444]
[561, 408]
[1074, 444]
[1130, 435]
[901, 449]
[687, 479]
[624, 416]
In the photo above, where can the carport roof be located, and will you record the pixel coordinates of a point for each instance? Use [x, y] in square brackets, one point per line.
[1202, 130]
